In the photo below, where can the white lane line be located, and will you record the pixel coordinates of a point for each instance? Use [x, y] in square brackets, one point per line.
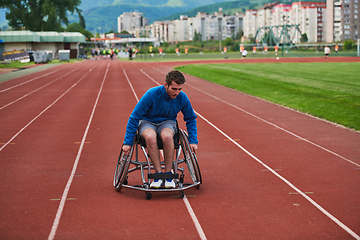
[187, 204]
[343, 226]
[194, 218]
[278, 127]
[131, 86]
[7, 89]
[68, 185]
[36, 90]
[21, 130]
[272, 124]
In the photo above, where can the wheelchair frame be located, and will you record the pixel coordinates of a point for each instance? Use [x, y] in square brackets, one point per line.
[183, 155]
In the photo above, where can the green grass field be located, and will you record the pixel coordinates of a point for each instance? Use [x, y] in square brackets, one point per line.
[237, 55]
[329, 91]
[18, 64]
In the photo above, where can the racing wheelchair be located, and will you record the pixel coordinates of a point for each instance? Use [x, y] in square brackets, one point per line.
[185, 163]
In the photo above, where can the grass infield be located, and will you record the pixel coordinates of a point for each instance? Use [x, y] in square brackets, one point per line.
[329, 91]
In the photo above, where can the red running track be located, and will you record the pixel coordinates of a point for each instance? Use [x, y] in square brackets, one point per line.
[268, 172]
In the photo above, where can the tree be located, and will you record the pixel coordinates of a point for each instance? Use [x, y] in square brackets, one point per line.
[239, 34]
[228, 41]
[348, 44]
[40, 15]
[76, 27]
[304, 38]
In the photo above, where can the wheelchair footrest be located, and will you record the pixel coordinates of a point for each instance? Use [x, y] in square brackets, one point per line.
[163, 176]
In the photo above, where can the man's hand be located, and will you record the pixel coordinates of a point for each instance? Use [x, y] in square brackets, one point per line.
[126, 149]
[194, 147]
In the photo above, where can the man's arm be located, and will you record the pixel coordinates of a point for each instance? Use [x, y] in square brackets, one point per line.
[190, 119]
[126, 149]
[139, 111]
[194, 148]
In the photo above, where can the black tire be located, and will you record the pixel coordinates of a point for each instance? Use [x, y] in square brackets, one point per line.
[182, 194]
[121, 170]
[190, 158]
[148, 195]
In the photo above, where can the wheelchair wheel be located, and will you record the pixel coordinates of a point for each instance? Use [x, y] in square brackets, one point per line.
[121, 170]
[190, 158]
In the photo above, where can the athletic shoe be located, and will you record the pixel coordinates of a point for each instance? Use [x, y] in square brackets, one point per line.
[169, 183]
[156, 183]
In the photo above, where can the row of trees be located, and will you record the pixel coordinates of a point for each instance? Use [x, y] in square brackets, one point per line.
[44, 15]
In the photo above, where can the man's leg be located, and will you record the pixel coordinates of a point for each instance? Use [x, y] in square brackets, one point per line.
[150, 137]
[167, 137]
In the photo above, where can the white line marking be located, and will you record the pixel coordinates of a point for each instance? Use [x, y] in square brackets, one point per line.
[4, 90]
[194, 218]
[187, 204]
[131, 86]
[35, 90]
[68, 185]
[270, 123]
[343, 226]
[278, 127]
[17, 134]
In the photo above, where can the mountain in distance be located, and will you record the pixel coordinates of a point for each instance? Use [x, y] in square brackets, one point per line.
[101, 16]
[227, 7]
[89, 4]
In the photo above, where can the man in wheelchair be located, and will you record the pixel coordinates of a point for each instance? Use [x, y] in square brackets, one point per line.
[155, 115]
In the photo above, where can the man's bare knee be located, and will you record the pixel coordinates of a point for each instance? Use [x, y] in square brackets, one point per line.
[150, 136]
[167, 135]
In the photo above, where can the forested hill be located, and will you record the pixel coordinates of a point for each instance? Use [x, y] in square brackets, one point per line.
[102, 15]
[228, 8]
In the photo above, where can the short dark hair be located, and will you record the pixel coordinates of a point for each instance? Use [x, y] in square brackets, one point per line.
[176, 76]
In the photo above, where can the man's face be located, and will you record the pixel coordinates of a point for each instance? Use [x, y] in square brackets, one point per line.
[173, 89]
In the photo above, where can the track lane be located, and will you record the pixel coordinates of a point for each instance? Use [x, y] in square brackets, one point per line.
[32, 77]
[35, 170]
[237, 200]
[121, 214]
[224, 118]
[17, 115]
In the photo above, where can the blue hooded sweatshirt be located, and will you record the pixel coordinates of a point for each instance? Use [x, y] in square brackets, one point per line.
[156, 106]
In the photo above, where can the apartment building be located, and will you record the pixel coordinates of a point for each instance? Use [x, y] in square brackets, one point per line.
[129, 21]
[343, 20]
[350, 19]
[310, 16]
[181, 29]
[250, 23]
[198, 25]
[163, 31]
[280, 15]
[210, 26]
